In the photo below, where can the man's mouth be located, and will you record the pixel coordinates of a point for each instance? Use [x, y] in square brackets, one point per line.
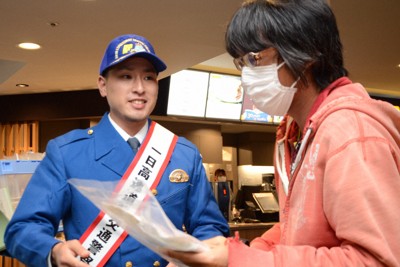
[137, 101]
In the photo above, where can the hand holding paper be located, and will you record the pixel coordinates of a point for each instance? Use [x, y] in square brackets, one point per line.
[140, 215]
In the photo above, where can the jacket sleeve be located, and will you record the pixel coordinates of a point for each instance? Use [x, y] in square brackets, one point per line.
[269, 239]
[360, 198]
[30, 234]
[241, 255]
[203, 218]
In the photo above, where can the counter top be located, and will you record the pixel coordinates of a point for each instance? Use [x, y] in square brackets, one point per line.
[243, 226]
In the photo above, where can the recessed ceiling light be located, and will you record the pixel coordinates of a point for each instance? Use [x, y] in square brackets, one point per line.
[54, 24]
[22, 85]
[29, 46]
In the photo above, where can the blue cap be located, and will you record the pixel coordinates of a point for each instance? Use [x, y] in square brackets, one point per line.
[126, 46]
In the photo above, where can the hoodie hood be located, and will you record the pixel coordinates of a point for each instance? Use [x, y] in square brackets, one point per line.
[355, 97]
[349, 96]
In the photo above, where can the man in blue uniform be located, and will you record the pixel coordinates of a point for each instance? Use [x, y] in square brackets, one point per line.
[128, 79]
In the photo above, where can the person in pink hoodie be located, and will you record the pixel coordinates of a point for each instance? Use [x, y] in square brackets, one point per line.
[337, 154]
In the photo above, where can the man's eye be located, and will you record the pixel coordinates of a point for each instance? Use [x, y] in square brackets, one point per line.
[150, 78]
[127, 77]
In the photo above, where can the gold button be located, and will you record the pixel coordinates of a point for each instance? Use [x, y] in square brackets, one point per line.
[128, 264]
[154, 191]
[156, 264]
[90, 131]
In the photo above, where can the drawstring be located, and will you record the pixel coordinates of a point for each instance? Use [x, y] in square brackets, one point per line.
[281, 163]
[300, 152]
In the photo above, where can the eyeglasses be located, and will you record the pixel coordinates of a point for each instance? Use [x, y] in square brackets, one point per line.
[249, 60]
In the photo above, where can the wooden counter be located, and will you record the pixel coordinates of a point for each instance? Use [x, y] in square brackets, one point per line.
[10, 262]
[250, 231]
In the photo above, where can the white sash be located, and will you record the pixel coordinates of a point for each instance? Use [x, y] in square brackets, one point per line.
[104, 236]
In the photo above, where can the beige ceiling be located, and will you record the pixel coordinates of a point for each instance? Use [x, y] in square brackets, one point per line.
[185, 33]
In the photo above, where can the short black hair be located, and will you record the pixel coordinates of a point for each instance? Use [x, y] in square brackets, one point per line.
[304, 32]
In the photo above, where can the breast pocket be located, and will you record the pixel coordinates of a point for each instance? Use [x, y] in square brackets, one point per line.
[175, 203]
[174, 194]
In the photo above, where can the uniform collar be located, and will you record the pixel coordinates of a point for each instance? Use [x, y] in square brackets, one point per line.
[110, 148]
[139, 135]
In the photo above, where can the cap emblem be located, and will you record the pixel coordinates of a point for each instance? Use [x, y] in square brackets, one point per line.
[128, 47]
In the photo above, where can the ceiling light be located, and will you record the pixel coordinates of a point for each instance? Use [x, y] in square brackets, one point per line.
[54, 24]
[29, 46]
[22, 85]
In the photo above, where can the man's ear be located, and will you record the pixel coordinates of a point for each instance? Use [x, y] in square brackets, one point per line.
[101, 84]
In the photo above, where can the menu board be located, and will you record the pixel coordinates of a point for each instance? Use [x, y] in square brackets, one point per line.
[225, 96]
[188, 93]
[251, 114]
[202, 94]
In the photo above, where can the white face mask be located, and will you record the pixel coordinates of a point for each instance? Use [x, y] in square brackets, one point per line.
[221, 178]
[263, 87]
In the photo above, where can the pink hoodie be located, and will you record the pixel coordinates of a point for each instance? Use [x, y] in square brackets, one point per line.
[343, 202]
